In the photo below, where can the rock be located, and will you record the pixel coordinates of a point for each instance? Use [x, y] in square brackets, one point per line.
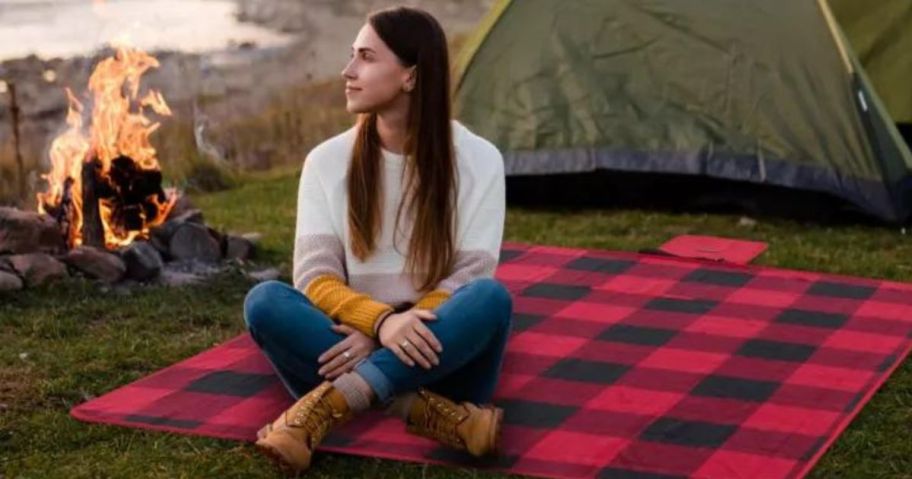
[96, 263]
[220, 238]
[264, 275]
[161, 246]
[254, 237]
[38, 268]
[287, 16]
[747, 222]
[163, 232]
[238, 247]
[182, 205]
[24, 232]
[189, 216]
[5, 265]
[142, 260]
[193, 241]
[9, 281]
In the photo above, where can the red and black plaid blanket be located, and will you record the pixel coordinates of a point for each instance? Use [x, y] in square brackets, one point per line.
[619, 365]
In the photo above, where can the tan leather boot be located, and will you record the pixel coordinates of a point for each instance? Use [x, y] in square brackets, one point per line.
[464, 426]
[291, 439]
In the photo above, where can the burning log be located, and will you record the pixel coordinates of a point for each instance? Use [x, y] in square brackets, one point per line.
[131, 196]
[135, 194]
[65, 216]
[92, 229]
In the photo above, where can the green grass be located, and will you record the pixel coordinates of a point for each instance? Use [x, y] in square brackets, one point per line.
[79, 343]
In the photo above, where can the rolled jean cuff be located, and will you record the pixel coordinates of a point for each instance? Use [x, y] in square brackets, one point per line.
[378, 381]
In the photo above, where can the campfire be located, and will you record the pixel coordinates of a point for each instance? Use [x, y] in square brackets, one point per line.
[104, 186]
[105, 212]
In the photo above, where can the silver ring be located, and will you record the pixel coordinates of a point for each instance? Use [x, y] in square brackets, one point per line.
[347, 355]
[404, 343]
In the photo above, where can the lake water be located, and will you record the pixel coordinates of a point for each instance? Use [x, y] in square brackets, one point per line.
[51, 28]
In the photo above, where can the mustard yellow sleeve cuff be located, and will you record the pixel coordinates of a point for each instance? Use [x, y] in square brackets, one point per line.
[331, 295]
[432, 299]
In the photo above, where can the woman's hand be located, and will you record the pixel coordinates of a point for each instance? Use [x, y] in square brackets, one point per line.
[358, 345]
[421, 346]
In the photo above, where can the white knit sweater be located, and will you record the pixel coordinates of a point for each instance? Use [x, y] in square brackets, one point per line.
[322, 242]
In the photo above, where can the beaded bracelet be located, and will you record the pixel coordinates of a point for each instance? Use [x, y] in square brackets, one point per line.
[380, 322]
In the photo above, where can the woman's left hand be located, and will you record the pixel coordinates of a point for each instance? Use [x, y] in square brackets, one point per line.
[358, 345]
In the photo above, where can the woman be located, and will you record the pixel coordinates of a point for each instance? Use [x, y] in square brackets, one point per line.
[418, 331]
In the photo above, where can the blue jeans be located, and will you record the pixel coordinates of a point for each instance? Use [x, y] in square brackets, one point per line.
[472, 326]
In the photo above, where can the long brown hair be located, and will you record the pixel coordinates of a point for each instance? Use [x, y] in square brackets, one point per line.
[417, 39]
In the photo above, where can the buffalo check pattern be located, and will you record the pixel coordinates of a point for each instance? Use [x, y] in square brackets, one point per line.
[619, 365]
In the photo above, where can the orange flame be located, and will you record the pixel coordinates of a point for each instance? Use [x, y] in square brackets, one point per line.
[115, 131]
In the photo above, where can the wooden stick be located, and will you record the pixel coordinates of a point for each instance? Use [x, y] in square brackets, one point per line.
[14, 109]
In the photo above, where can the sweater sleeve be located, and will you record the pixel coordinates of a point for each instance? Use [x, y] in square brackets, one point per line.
[432, 299]
[318, 268]
[479, 231]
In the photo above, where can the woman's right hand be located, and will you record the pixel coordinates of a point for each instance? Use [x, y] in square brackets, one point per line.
[422, 346]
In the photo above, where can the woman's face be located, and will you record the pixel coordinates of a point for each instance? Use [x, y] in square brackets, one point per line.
[374, 78]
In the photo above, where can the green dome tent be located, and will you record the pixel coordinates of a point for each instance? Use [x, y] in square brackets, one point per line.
[760, 92]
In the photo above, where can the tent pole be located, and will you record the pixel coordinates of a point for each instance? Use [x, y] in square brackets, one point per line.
[833, 26]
